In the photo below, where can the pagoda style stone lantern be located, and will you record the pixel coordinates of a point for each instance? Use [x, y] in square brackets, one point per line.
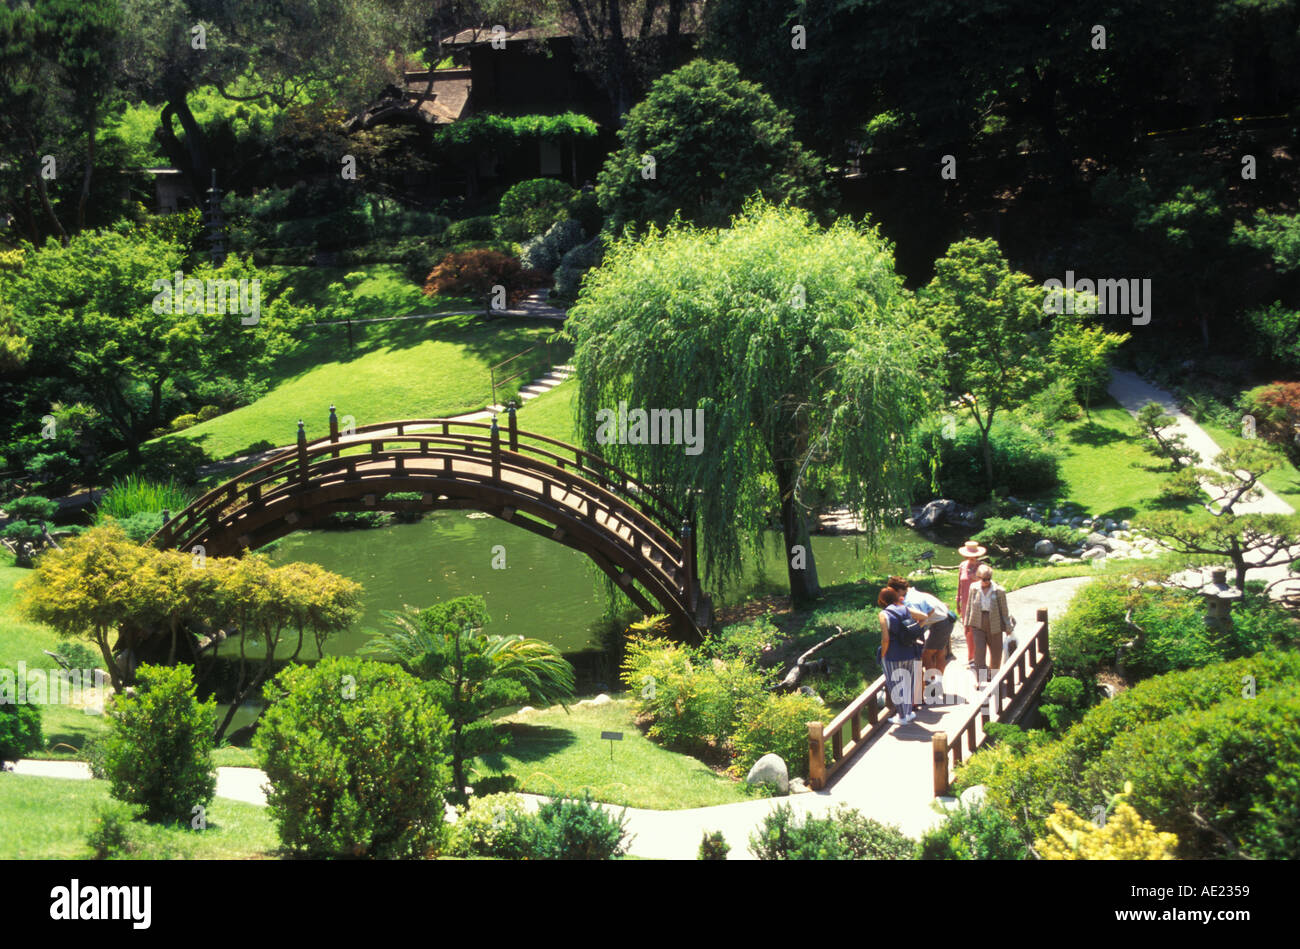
[1219, 598]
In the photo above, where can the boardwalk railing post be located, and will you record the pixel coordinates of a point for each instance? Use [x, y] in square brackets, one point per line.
[816, 757]
[302, 452]
[514, 426]
[939, 746]
[496, 450]
[688, 566]
[334, 429]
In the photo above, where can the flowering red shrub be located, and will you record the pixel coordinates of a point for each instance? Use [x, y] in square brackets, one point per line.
[474, 273]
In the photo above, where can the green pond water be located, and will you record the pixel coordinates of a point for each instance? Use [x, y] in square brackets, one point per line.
[545, 591]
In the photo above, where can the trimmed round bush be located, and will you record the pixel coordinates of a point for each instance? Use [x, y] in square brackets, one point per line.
[565, 235]
[579, 829]
[207, 412]
[20, 730]
[538, 254]
[844, 834]
[495, 825]
[356, 752]
[469, 229]
[1022, 464]
[530, 207]
[158, 751]
[975, 832]
[1225, 780]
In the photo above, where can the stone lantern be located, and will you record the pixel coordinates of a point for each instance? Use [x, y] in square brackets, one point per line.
[1219, 598]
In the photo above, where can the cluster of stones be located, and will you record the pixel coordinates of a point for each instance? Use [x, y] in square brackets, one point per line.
[1099, 538]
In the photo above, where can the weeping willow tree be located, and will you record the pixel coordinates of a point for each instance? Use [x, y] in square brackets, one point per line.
[798, 346]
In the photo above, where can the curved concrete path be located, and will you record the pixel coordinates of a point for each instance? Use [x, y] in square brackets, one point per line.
[1133, 392]
[889, 780]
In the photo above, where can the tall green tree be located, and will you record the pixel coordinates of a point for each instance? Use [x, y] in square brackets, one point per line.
[98, 331]
[700, 144]
[1000, 347]
[796, 346]
[470, 673]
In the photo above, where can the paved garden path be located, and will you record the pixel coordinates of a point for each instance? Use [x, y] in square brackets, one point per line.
[890, 780]
[1133, 392]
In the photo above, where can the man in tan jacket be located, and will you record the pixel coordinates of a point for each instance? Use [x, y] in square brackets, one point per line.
[988, 619]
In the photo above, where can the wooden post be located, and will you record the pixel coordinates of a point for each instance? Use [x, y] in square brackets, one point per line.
[496, 450]
[302, 453]
[855, 725]
[1042, 618]
[334, 430]
[688, 565]
[939, 748]
[816, 757]
[514, 426]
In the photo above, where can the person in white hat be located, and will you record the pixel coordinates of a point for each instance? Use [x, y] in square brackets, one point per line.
[972, 552]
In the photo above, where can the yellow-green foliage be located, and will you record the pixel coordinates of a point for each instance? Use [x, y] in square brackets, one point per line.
[1123, 836]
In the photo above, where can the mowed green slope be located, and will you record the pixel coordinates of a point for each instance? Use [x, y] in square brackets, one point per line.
[397, 370]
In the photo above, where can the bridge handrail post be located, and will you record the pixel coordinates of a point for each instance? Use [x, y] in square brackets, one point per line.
[688, 563]
[302, 453]
[816, 756]
[496, 450]
[939, 751]
[334, 430]
[514, 426]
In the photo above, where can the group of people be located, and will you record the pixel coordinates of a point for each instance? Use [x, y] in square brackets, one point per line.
[916, 631]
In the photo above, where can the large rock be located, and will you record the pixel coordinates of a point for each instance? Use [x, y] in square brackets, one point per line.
[1094, 553]
[1098, 540]
[974, 795]
[770, 769]
[1044, 548]
[934, 513]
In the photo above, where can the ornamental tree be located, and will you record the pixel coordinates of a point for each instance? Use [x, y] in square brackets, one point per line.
[798, 345]
[700, 144]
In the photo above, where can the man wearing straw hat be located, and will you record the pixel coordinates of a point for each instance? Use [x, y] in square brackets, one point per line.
[973, 553]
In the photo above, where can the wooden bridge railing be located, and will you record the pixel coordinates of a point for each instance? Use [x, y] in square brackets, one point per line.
[648, 530]
[871, 709]
[1024, 670]
[868, 714]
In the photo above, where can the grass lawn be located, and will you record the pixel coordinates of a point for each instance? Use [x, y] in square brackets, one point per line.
[47, 818]
[551, 413]
[1105, 468]
[384, 291]
[554, 752]
[399, 370]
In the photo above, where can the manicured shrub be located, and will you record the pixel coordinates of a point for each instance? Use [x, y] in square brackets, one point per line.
[844, 834]
[495, 825]
[714, 846]
[776, 724]
[1028, 781]
[1056, 402]
[530, 207]
[20, 730]
[207, 412]
[579, 829]
[356, 753]
[158, 752]
[1019, 534]
[564, 235]
[1174, 634]
[1225, 780]
[181, 422]
[1276, 410]
[469, 229]
[584, 207]
[574, 265]
[974, 832]
[1064, 701]
[538, 253]
[1022, 462]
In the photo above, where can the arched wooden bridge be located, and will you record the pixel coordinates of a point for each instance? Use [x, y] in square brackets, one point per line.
[643, 543]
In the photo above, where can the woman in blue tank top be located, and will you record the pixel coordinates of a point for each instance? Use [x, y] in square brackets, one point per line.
[899, 656]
